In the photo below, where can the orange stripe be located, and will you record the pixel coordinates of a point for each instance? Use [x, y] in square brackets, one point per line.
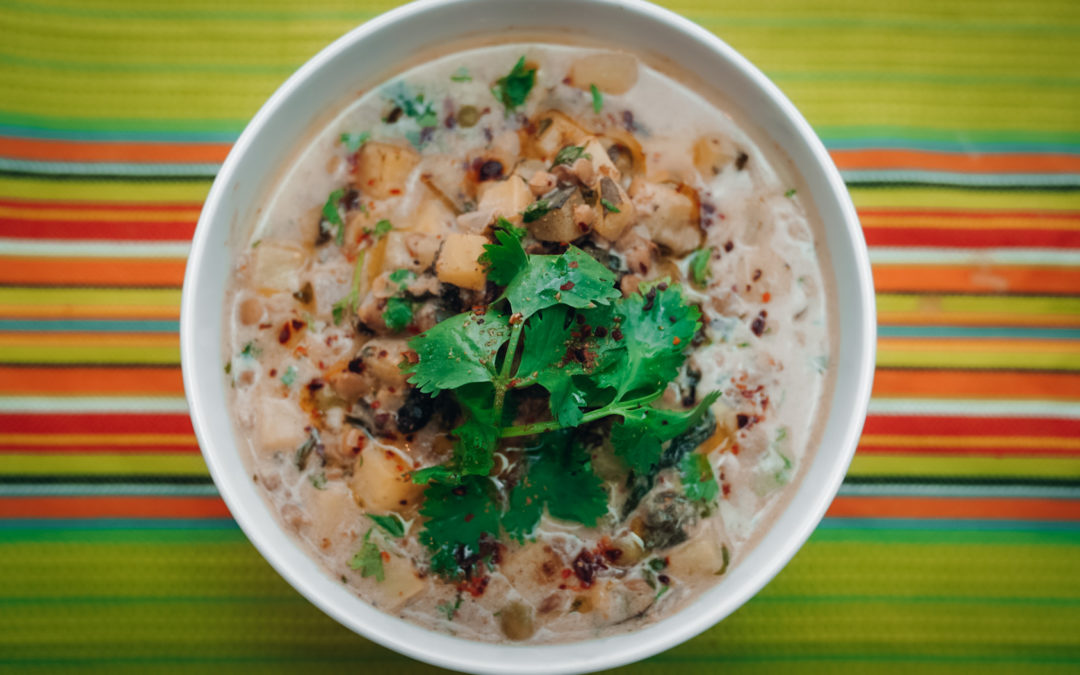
[113, 507]
[987, 278]
[82, 381]
[946, 507]
[973, 384]
[92, 271]
[959, 162]
[97, 151]
[988, 220]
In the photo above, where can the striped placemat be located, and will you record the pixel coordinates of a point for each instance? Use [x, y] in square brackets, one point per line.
[955, 542]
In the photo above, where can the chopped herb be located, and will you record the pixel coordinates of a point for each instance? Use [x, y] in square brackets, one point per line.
[699, 266]
[353, 142]
[251, 350]
[512, 89]
[255, 244]
[450, 608]
[228, 368]
[382, 228]
[609, 206]
[461, 75]
[312, 442]
[428, 119]
[663, 589]
[597, 99]
[331, 224]
[350, 302]
[318, 481]
[535, 211]
[725, 557]
[369, 560]
[459, 517]
[570, 154]
[790, 193]
[402, 277]
[698, 479]
[391, 524]
[289, 377]
[398, 314]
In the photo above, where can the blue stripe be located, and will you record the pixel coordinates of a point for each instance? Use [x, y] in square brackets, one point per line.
[946, 524]
[88, 326]
[120, 135]
[979, 332]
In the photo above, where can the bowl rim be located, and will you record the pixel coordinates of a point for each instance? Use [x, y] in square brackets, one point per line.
[241, 511]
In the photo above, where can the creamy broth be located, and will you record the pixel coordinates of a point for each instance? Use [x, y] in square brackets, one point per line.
[323, 304]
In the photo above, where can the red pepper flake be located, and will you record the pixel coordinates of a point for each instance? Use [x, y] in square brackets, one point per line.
[285, 334]
[766, 296]
[516, 318]
[573, 264]
[375, 405]
[469, 517]
[617, 334]
[567, 286]
[385, 556]
[395, 191]
[273, 372]
[676, 341]
[566, 573]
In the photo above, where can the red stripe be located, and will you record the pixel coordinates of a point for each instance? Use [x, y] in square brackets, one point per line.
[113, 507]
[90, 423]
[949, 450]
[102, 448]
[957, 237]
[916, 425]
[180, 230]
[956, 213]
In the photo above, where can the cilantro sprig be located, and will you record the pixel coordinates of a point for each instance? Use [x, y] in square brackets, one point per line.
[513, 88]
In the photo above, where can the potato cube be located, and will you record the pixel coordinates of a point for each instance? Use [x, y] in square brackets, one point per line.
[276, 266]
[712, 154]
[382, 169]
[280, 426]
[399, 584]
[616, 211]
[506, 198]
[671, 215]
[333, 512]
[380, 482]
[459, 261]
[611, 72]
[557, 131]
[699, 557]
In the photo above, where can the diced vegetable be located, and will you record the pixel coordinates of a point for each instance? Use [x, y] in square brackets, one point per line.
[557, 222]
[505, 198]
[458, 261]
[617, 211]
[702, 555]
[610, 72]
[383, 168]
[380, 482]
[276, 266]
[670, 214]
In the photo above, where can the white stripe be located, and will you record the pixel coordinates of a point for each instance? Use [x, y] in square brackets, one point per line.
[70, 404]
[973, 408]
[972, 256]
[95, 249]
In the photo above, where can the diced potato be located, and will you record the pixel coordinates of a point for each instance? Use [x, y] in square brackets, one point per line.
[423, 248]
[382, 169]
[333, 511]
[276, 266]
[670, 215]
[533, 568]
[611, 72]
[446, 176]
[602, 164]
[701, 556]
[712, 154]
[506, 198]
[398, 254]
[399, 584]
[556, 131]
[433, 216]
[458, 262]
[280, 426]
[612, 224]
[380, 482]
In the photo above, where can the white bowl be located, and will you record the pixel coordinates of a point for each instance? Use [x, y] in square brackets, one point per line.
[365, 57]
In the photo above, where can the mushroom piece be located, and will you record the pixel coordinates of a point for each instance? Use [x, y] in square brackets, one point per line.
[558, 223]
[615, 210]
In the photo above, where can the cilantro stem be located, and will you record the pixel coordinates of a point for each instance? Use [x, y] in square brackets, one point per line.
[502, 382]
[615, 408]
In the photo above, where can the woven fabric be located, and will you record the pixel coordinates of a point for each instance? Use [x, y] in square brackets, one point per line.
[955, 541]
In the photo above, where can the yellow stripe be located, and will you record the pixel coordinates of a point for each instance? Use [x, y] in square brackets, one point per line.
[924, 353]
[64, 340]
[965, 223]
[97, 464]
[92, 354]
[155, 303]
[1041, 442]
[97, 439]
[92, 215]
[953, 467]
[932, 198]
[106, 191]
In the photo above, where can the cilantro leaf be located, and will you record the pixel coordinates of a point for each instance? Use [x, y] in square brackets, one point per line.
[369, 560]
[699, 266]
[698, 479]
[331, 224]
[478, 435]
[398, 314]
[461, 75]
[559, 477]
[505, 259]
[659, 326]
[353, 142]
[609, 206]
[391, 524]
[458, 351]
[597, 99]
[289, 376]
[513, 88]
[382, 228]
[535, 211]
[402, 277]
[639, 437]
[458, 517]
[574, 278]
[548, 335]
